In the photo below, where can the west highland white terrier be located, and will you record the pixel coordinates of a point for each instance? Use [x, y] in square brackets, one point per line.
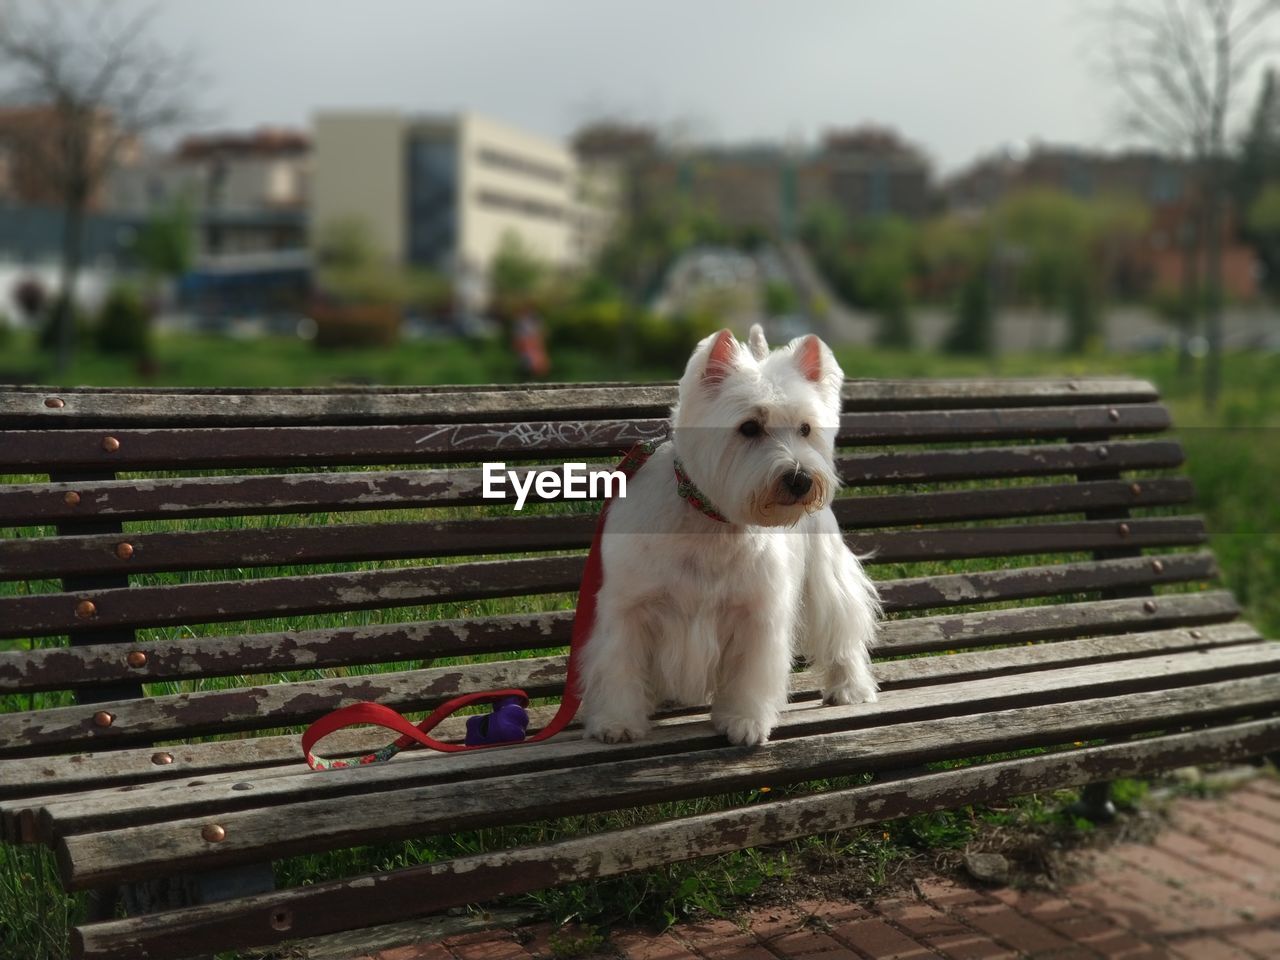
[724, 560]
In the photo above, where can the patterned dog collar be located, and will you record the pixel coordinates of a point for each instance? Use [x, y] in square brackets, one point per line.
[687, 489]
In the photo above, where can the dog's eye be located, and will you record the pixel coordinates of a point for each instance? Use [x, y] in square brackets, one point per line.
[804, 429]
[750, 428]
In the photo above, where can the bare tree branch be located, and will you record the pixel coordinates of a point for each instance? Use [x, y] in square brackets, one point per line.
[1179, 66]
[77, 95]
[1180, 33]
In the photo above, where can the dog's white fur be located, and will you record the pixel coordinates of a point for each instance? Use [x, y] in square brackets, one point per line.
[692, 610]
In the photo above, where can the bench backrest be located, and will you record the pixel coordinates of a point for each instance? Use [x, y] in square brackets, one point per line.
[168, 555]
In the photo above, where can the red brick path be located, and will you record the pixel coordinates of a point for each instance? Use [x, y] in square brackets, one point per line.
[1207, 888]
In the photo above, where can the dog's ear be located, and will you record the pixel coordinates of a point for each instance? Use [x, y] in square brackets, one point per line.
[808, 356]
[756, 341]
[722, 358]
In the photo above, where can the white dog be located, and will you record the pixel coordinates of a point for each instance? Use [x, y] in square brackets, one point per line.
[724, 559]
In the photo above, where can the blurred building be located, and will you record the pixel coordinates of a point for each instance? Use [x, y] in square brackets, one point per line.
[444, 192]
[626, 152]
[1154, 178]
[245, 192]
[873, 172]
[31, 155]
[1161, 257]
[1156, 260]
[864, 172]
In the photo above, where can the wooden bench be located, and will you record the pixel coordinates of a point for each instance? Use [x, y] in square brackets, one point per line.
[1024, 538]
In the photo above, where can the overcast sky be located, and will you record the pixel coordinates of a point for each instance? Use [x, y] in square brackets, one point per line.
[959, 77]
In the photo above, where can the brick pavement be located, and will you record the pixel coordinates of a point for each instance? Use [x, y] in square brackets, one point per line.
[1206, 888]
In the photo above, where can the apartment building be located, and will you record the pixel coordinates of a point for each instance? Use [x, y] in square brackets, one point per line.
[864, 172]
[445, 191]
[246, 191]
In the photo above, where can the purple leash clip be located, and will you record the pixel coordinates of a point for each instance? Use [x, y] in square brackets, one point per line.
[507, 722]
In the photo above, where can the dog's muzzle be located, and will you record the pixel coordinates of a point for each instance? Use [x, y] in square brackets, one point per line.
[799, 487]
[797, 484]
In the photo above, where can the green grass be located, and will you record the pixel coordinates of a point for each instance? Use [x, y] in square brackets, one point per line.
[1232, 458]
[209, 361]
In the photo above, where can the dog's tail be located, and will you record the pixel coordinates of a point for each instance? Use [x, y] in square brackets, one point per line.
[756, 342]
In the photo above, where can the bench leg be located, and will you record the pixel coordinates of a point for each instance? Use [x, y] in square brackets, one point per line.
[101, 904]
[1095, 803]
[192, 889]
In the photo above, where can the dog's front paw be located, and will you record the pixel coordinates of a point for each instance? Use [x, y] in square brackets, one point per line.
[611, 730]
[843, 687]
[743, 731]
[847, 693]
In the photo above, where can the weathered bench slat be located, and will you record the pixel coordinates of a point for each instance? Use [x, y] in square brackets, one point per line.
[159, 803]
[946, 590]
[285, 545]
[87, 860]
[957, 670]
[411, 586]
[55, 668]
[397, 489]
[330, 405]
[956, 543]
[418, 891]
[320, 648]
[254, 708]
[286, 596]
[32, 450]
[991, 462]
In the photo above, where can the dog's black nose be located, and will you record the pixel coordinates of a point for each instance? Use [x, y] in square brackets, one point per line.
[798, 483]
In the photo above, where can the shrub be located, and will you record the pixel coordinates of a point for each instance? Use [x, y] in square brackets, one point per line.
[780, 298]
[166, 242]
[124, 324]
[667, 342]
[609, 328]
[517, 274]
[341, 326]
[30, 296]
[974, 330]
[1084, 316]
[47, 338]
[594, 327]
[895, 330]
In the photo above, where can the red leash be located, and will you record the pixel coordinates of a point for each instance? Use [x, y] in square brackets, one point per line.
[383, 716]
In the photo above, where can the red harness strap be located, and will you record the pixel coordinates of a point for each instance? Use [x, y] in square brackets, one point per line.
[383, 716]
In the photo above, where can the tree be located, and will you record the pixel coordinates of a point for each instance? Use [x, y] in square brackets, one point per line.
[1049, 230]
[1180, 65]
[351, 267]
[84, 89]
[1066, 251]
[165, 245]
[871, 263]
[1257, 175]
[516, 274]
[780, 298]
[884, 269]
[974, 330]
[1263, 222]
[1259, 158]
